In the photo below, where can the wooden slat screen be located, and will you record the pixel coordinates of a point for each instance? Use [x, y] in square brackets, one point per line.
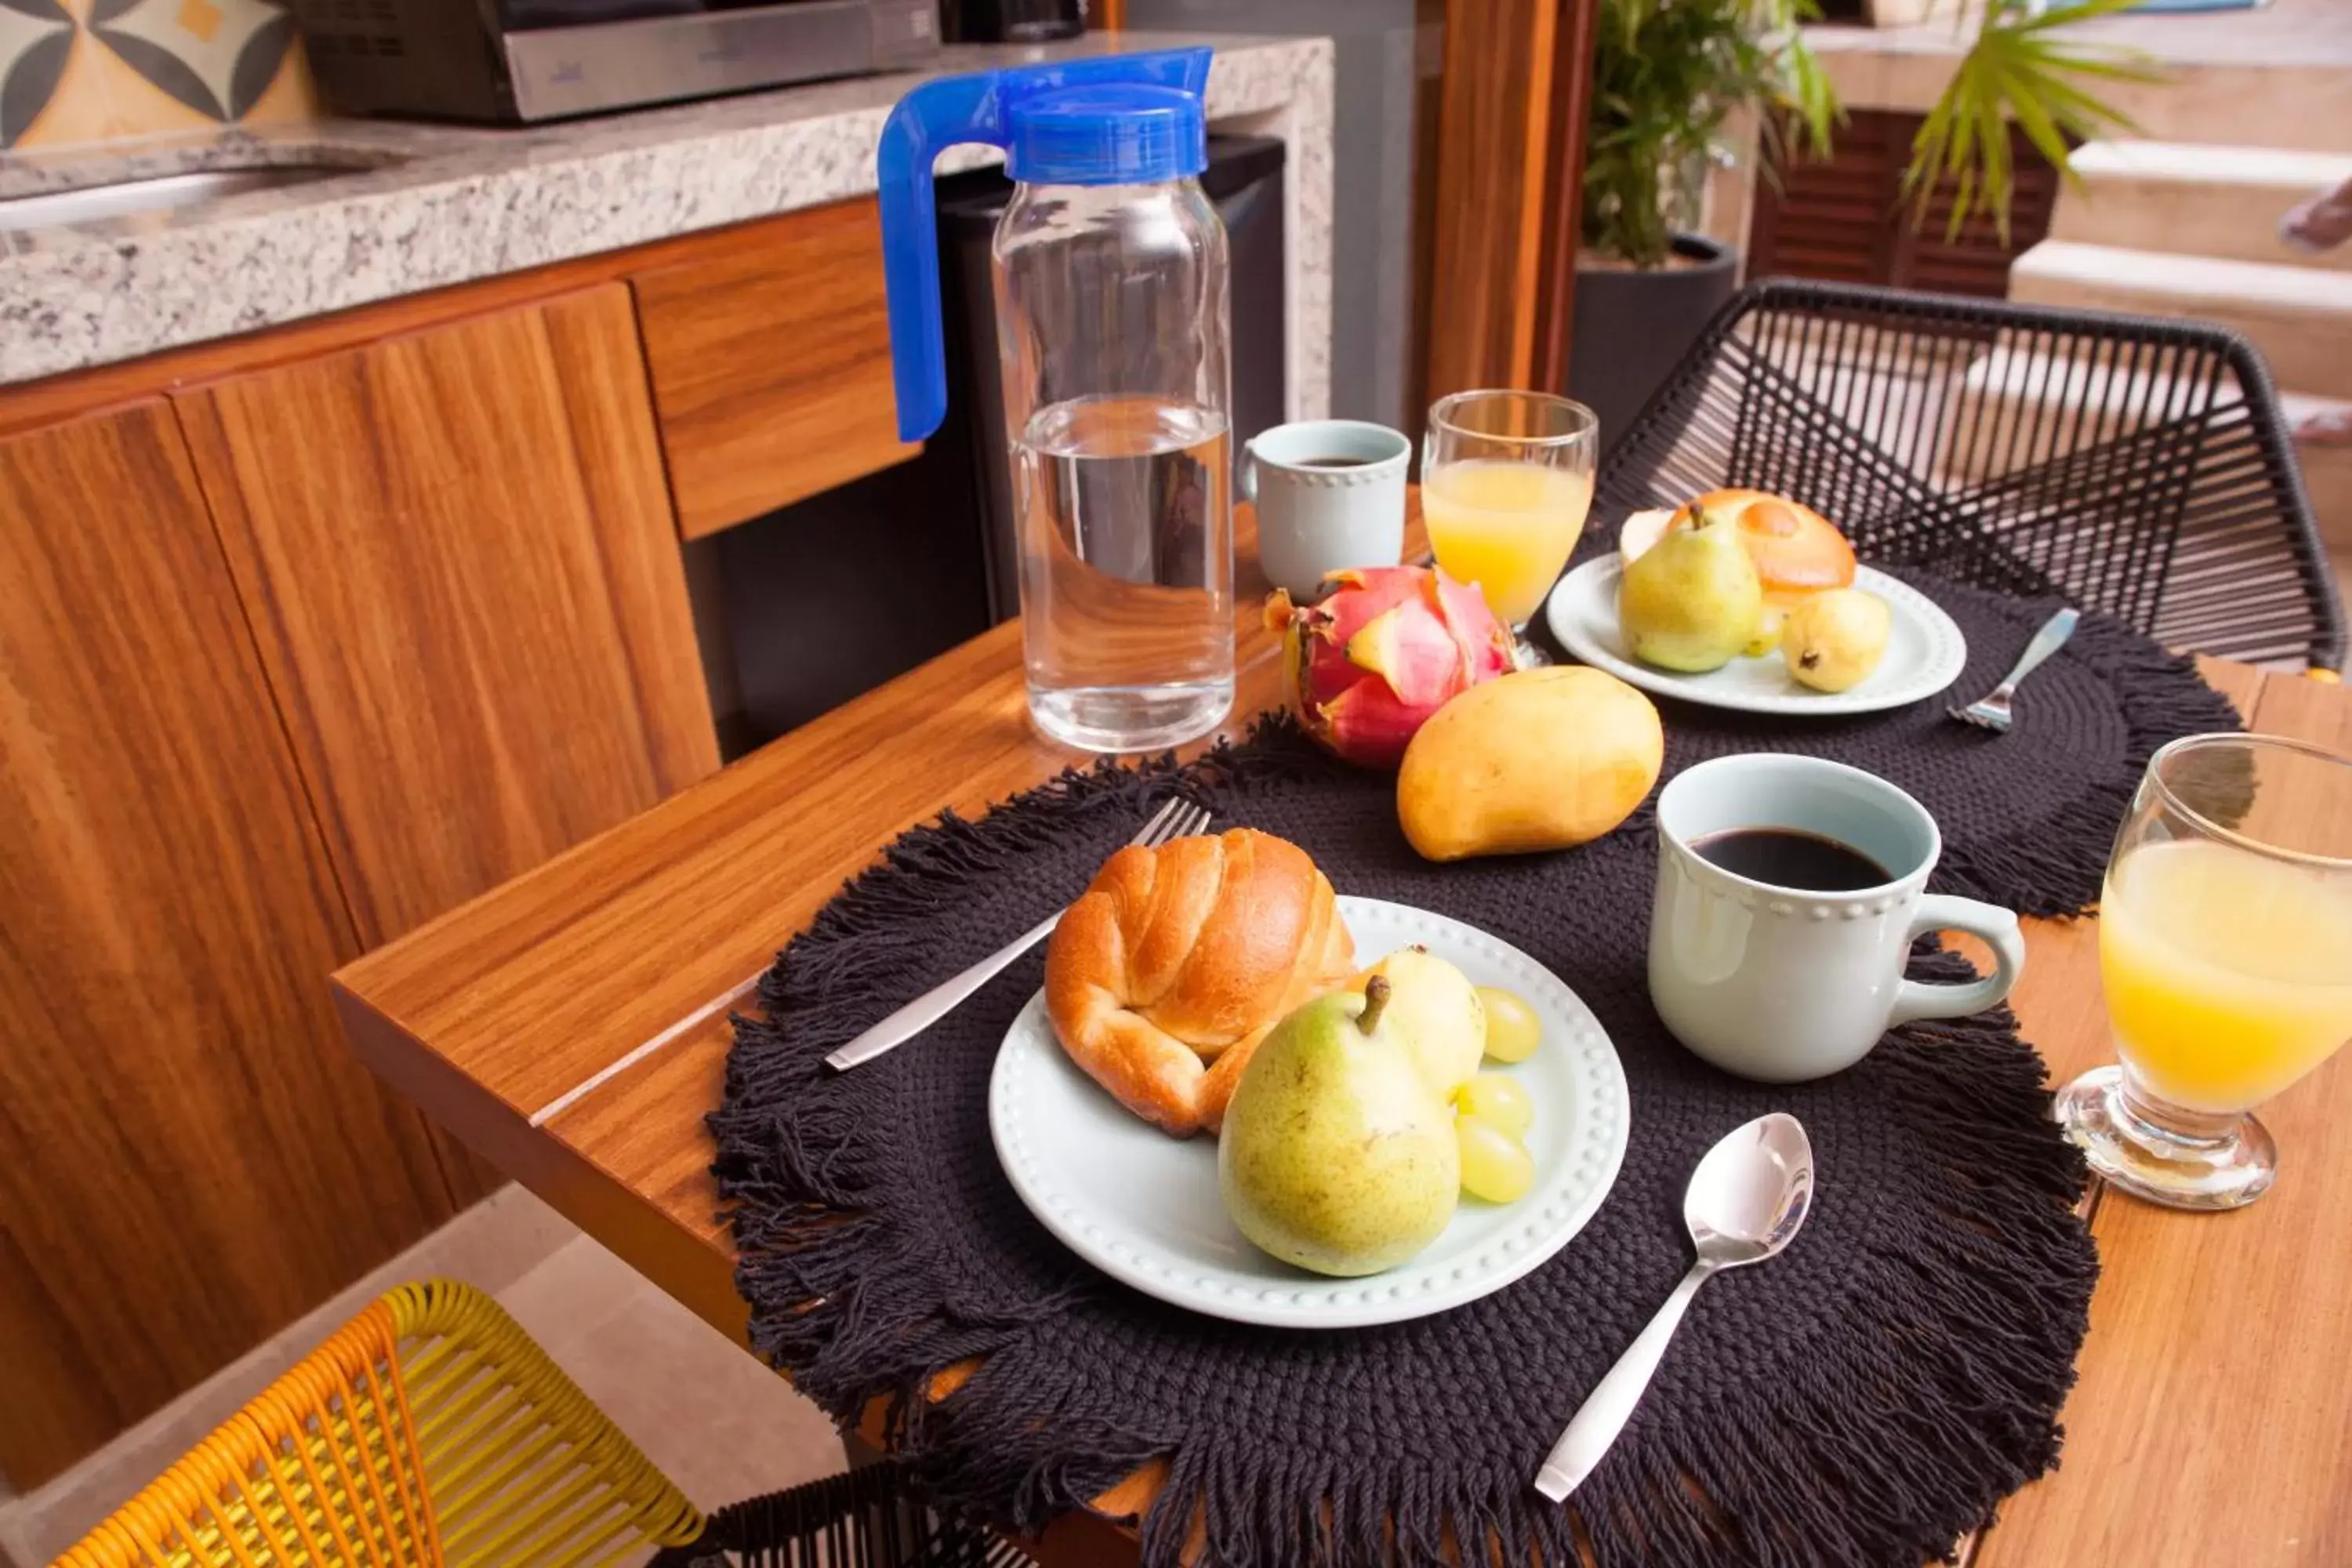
[1844, 217]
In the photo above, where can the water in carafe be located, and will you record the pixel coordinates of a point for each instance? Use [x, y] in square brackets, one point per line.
[1122, 507]
[1110, 292]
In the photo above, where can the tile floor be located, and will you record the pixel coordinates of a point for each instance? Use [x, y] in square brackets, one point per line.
[713, 1418]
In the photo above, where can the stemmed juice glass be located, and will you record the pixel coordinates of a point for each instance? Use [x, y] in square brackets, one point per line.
[2225, 944]
[1505, 482]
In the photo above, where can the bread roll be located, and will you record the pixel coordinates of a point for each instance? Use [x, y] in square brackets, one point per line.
[1797, 550]
[1175, 961]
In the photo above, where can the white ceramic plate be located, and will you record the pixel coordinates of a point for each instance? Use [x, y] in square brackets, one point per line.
[1925, 651]
[1143, 1207]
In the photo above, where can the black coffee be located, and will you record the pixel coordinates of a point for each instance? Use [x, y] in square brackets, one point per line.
[1333, 462]
[1789, 858]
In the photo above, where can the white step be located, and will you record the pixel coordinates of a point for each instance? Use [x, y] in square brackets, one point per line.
[2299, 317]
[2327, 477]
[2195, 200]
[2004, 386]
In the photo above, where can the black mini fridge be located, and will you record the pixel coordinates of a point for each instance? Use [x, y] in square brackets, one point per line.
[820, 601]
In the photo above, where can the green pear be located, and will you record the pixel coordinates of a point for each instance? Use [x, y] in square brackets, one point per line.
[1336, 1154]
[1691, 602]
[1434, 1006]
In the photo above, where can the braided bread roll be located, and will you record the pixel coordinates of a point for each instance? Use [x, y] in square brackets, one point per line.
[1175, 961]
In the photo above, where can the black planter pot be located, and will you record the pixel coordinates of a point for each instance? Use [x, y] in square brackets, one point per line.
[1633, 327]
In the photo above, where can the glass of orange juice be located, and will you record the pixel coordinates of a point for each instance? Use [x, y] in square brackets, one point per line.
[2225, 944]
[1505, 482]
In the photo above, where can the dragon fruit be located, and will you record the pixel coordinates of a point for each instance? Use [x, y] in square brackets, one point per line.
[1384, 650]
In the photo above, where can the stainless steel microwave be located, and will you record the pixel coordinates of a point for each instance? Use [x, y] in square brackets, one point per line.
[510, 61]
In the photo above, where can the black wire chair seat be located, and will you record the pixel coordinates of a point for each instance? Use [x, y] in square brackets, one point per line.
[867, 1518]
[2124, 464]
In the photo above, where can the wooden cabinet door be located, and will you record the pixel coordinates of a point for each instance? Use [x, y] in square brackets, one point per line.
[770, 354]
[462, 569]
[189, 1156]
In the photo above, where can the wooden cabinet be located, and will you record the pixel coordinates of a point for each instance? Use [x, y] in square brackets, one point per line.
[461, 568]
[191, 1157]
[290, 662]
[306, 639]
[769, 355]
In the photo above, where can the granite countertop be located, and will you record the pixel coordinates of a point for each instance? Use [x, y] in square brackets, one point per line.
[428, 206]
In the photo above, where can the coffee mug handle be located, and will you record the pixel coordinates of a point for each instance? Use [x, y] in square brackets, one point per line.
[1998, 929]
[1249, 473]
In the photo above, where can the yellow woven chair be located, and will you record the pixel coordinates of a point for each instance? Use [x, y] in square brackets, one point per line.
[429, 1432]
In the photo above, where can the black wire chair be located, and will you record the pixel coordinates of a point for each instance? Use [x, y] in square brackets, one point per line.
[868, 1518]
[2124, 464]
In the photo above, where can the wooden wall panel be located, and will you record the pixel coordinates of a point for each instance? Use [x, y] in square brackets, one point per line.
[770, 366]
[1569, 128]
[466, 585]
[1506, 205]
[189, 1157]
[1493, 168]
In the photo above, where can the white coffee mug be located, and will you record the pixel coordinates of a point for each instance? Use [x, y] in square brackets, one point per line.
[1785, 983]
[1330, 495]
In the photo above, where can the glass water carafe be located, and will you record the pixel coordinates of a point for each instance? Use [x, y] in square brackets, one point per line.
[1111, 285]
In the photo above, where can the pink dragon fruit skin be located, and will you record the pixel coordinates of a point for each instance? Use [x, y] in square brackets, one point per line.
[1385, 650]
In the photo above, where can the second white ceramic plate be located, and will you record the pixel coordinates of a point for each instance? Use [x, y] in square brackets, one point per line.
[1925, 651]
[1143, 1207]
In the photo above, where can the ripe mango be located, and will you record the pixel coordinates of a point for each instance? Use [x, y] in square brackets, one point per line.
[1541, 759]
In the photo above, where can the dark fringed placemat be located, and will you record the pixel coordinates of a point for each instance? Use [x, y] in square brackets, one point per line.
[2028, 817]
[1866, 1398]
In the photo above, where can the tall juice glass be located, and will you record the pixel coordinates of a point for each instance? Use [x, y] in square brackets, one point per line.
[2225, 944]
[1505, 482]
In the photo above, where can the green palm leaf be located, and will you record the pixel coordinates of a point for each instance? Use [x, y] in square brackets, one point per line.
[2017, 72]
[1668, 73]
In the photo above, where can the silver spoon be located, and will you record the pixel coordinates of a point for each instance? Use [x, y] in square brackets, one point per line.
[1746, 1200]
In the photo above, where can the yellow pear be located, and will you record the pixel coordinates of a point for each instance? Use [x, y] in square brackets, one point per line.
[1336, 1156]
[1692, 601]
[1834, 639]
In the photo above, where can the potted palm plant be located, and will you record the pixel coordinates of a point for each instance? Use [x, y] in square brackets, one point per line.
[1668, 76]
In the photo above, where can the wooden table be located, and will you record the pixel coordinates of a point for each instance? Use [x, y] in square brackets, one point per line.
[571, 1027]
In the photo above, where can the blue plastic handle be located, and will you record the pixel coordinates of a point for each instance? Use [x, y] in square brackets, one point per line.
[938, 115]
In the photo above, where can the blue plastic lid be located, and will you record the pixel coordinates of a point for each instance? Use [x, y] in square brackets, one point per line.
[1103, 119]
[1122, 134]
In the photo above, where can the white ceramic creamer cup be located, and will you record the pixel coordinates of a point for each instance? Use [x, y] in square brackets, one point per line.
[1315, 518]
[1783, 984]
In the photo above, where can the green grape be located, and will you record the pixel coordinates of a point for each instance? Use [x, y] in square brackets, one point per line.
[1496, 1166]
[1512, 1027]
[1498, 1100]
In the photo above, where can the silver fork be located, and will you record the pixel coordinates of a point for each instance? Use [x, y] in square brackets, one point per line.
[1176, 819]
[1992, 712]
